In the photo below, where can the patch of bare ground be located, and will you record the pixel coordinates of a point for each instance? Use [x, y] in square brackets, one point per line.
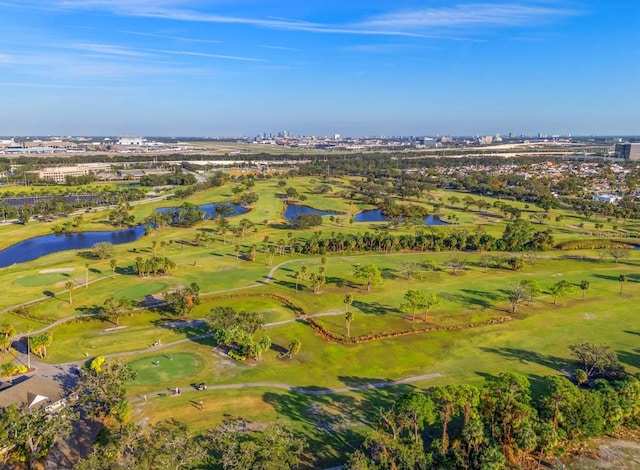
[614, 454]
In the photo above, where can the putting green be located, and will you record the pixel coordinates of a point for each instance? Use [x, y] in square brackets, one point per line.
[41, 279]
[165, 367]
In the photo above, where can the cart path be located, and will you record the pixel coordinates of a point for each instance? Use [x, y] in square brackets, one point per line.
[292, 388]
[63, 370]
[267, 279]
[52, 370]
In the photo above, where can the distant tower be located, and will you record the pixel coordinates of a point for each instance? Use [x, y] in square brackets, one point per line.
[628, 151]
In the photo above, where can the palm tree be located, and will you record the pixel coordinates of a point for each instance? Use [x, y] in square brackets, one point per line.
[584, 285]
[622, 279]
[348, 300]
[6, 332]
[298, 276]
[272, 253]
[113, 263]
[348, 318]
[69, 285]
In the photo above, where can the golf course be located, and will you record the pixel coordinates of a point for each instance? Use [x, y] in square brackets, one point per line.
[361, 340]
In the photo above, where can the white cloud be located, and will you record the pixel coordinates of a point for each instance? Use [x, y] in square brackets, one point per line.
[473, 14]
[425, 22]
[204, 54]
[279, 48]
[175, 38]
[109, 49]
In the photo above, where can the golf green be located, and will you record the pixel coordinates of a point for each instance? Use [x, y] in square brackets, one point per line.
[165, 367]
[42, 279]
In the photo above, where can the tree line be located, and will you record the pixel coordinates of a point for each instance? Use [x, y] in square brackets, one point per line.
[504, 424]
[519, 235]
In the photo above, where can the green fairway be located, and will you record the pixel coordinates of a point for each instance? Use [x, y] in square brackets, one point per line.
[141, 290]
[460, 346]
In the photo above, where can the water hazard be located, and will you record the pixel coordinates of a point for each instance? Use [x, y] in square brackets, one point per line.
[34, 248]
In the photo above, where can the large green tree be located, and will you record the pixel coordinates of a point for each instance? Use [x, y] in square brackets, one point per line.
[560, 289]
[237, 445]
[101, 386]
[369, 274]
[597, 360]
[115, 309]
[184, 299]
[29, 432]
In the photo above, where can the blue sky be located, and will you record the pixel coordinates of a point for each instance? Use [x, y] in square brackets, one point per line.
[239, 67]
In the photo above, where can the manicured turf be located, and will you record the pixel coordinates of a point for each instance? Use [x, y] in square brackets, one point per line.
[163, 368]
[137, 292]
[534, 343]
[42, 279]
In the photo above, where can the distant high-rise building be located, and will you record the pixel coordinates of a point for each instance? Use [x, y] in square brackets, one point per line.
[628, 151]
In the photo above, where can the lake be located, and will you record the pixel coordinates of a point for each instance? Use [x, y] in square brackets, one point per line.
[210, 209]
[36, 247]
[372, 215]
[294, 210]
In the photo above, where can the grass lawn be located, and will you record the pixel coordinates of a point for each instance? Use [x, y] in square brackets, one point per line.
[534, 343]
[97, 338]
[164, 368]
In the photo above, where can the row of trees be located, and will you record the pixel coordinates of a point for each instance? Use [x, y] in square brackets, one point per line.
[236, 444]
[153, 266]
[519, 235]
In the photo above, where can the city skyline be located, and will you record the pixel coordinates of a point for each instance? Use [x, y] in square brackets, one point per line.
[222, 68]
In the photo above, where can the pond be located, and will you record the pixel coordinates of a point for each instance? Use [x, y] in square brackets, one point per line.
[376, 215]
[294, 210]
[210, 209]
[36, 247]
[373, 215]
[434, 220]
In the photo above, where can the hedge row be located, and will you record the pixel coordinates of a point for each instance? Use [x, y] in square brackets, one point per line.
[333, 337]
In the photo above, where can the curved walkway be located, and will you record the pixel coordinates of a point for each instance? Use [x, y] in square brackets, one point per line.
[64, 371]
[303, 390]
